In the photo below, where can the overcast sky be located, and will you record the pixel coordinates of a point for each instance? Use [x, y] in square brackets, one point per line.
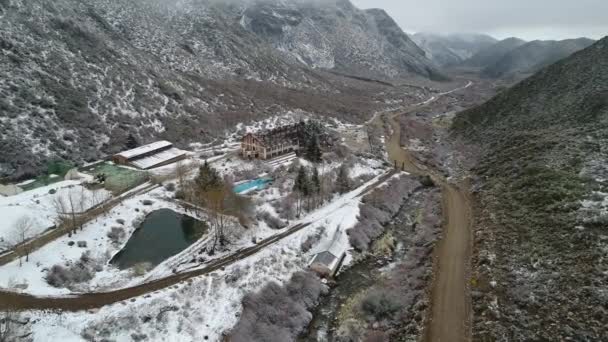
[527, 19]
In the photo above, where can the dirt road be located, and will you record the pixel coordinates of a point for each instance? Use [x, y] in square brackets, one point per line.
[450, 297]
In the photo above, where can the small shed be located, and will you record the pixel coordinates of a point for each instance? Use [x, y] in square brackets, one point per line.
[326, 264]
[328, 260]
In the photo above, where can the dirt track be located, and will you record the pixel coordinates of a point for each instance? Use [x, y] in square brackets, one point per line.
[450, 297]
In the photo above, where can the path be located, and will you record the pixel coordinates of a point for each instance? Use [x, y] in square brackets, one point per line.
[20, 301]
[450, 298]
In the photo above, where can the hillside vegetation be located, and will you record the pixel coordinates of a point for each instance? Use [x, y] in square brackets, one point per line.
[78, 77]
[541, 239]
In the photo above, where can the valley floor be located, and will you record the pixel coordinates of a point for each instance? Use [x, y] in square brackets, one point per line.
[158, 303]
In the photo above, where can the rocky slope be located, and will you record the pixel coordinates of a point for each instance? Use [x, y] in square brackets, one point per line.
[542, 204]
[533, 56]
[77, 77]
[450, 50]
[338, 36]
[493, 53]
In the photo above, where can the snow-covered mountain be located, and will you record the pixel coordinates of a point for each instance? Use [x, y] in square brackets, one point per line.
[78, 76]
[333, 34]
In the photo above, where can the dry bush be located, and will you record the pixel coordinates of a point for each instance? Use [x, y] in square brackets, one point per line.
[380, 304]
[312, 240]
[116, 235]
[286, 207]
[272, 221]
[66, 277]
[377, 210]
[278, 314]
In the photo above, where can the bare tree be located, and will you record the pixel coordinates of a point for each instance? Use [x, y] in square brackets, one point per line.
[214, 200]
[23, 228]
[67, 212]
[181, 170]
[99, 198]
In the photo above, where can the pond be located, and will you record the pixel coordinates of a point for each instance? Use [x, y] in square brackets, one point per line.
[259, 183]
[163, 234]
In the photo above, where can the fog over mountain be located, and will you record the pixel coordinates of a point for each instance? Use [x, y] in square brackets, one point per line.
[529, 20]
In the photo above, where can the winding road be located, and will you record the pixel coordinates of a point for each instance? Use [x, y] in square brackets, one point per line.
[450, 295]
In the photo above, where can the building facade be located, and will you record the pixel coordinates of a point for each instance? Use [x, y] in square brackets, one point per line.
[273, 143]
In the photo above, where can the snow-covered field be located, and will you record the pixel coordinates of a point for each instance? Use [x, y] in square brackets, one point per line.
[30, 276]
[203, 307]
[206, 306]
[39, 206]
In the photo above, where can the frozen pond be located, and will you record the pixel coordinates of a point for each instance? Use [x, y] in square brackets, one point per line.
[163, 234]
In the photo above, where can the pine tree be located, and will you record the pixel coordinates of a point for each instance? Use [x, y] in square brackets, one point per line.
[301, 187]
[131, 142]
[208, 178]
[313, 151]
[302, 183]
[343, 181]
[315, 182]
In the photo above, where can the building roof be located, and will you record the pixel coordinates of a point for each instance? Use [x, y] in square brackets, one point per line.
[136, 152]
[158, 158]
[325, 258]
[276, 136]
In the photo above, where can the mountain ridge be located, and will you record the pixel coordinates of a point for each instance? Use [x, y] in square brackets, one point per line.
[452, 49]
[532, 56]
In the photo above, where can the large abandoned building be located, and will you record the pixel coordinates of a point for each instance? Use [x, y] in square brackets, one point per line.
[273, 143]
[149, 156]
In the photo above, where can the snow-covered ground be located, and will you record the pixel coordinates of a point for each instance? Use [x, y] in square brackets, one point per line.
[30, 276]
[39, 206]
[204, 307]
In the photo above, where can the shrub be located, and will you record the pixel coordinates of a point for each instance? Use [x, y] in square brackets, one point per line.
[272, 221]
[180, 194]
[170, 187]
[116, 234]
[427, 181]
[286, 208]
[60, 276]
[277, 314]
[377, 209]
[380, 304]
[52, 191]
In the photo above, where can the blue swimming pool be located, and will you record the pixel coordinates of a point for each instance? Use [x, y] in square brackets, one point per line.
[251, 185]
